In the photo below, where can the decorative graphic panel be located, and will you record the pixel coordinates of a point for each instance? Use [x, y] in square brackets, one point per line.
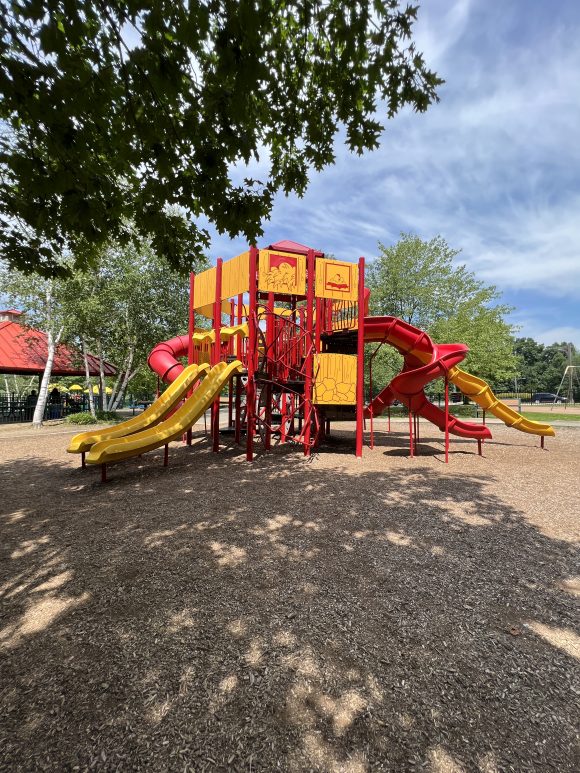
[282, 273]
[336, 279]
[334, 379]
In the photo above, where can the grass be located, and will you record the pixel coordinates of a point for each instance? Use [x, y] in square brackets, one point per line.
[548, 416]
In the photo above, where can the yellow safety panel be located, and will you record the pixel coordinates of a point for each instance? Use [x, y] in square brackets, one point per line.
[336, 279]
[204, 288]
[236, 276]
[281, 272]
[334, 379]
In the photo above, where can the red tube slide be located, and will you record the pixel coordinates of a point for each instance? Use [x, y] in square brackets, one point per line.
[424, 362]
[164, 361]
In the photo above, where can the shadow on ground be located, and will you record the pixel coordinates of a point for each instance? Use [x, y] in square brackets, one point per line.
[221, 616]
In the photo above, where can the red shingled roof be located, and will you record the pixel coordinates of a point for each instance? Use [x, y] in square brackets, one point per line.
[23, 351]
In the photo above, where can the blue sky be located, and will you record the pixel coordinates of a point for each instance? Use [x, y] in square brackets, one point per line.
[494, 167]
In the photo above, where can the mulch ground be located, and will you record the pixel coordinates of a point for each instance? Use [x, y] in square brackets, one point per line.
[328, 614]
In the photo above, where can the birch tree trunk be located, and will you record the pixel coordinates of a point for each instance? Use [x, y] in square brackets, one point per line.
[8, 395]
[102, 385]
[126, 378]
[52, 341]
[88, 379]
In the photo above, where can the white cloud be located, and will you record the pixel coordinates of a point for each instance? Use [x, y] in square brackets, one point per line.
[493, 167]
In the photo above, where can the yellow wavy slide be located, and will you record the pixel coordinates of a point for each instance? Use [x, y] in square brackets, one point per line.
[150, 416]
[480, 392]
[116, 449]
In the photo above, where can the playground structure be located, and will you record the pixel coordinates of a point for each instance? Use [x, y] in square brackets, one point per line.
[292, 354]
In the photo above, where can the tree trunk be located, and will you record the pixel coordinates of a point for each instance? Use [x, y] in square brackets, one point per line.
[8, 396]
[38, 417]
[102, 385]
[126, 378]
[88, 379]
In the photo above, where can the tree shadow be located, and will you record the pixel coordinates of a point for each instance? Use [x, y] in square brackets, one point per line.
[307, 615]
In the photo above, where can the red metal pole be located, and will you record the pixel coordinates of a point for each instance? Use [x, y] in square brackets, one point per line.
[360, 354]
[307, 405]
[446, 420]
[191, 319]
[389, 417]
[270, 356]
[239, 344]
[191, 328]
[411, 440]
[251, 355]
[231, 384]
[217, 324]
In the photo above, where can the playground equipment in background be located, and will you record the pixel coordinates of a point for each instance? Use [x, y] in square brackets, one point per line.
[293, 369]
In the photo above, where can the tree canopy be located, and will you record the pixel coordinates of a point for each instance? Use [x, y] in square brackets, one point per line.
[419, 282]
[115, 112]
[541, 367]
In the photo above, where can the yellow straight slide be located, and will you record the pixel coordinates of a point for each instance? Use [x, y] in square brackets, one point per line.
[116, 449]
[480, 392]
[150, 416]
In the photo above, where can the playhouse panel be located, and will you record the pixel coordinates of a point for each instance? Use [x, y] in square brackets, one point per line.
[334, 379]
[280, 272]
[336, 279]
[236, 276]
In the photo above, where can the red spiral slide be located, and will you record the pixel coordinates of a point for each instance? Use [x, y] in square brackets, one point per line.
[424, 362]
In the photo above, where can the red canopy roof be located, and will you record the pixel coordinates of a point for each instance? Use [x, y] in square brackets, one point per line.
[290, 246]
[24, 350]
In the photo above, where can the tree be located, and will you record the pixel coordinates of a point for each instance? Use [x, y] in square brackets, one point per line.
[115, 112]
[540, 368]
[41, 299]
[419, 282]
[129, 302]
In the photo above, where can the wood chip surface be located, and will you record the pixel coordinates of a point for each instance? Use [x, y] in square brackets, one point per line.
[331, 614]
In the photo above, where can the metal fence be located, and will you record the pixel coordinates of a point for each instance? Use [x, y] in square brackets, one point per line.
[17, 410]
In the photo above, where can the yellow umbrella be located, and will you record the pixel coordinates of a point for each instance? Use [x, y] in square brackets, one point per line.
[108, 390]
[75, 388]
[60, 387]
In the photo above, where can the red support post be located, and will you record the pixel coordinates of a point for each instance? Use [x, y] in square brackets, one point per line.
[360, 353]
[216, 354]
[191, 328]
[411, 439]
[251, 356]
[446, 420]
[479, 446]
[307, 404]
[270, 356]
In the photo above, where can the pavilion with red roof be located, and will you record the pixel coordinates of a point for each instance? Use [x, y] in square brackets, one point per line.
[23, 351]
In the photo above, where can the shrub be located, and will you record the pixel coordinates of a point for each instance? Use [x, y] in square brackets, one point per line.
[81, 418]
[86, 418]
[108, 416]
